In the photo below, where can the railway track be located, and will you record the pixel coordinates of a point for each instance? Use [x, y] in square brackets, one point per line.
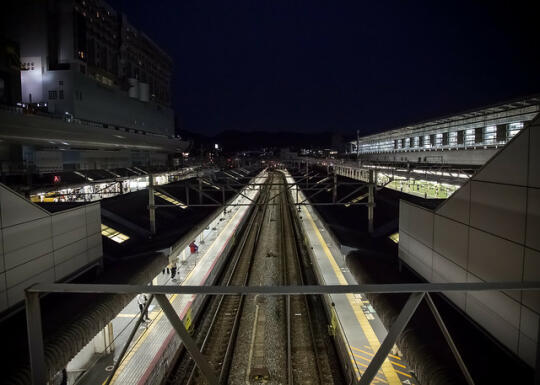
[302, 342]
[304, 364]
[215, 334]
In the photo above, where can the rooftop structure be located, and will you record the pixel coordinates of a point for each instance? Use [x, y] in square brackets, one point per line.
[480, 132]
[84, 59]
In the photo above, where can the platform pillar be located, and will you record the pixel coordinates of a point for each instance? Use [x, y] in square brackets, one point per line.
[200, 190]
[334, 191]
[307, 173]
[35, 339]
[151, 204]
[371, 201]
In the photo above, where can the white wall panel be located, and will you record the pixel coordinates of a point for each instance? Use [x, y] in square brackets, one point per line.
[2, 265]
[23, 272]
[67, 221]
[19, 236]
[498, 302]
[479, 308]
[404, 240]
[531, 272]
[503, 243]
[16, 209]
[69, 237]
[533, 218]
[70, 266]
[528, 336]
[94, 254]
[499, 209]
[34, 240]
[26, 254]
[3, 301]
[534, 157]
[495, 259]
[94, 240]
[16, 293]
[423, 224]
[404, 215]
[93, 218]
[3, 282]
[508, 166]
[421, 252]
[457, 206]
[451, 239]
[527, 349]
[447, 271]
[67, 252]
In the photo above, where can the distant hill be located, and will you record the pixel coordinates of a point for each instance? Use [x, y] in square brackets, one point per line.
[233, 140]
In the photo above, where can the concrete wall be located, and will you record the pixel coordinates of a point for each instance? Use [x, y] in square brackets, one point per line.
[37, 246]
[487, 231]
[105, 104]
[476, 157]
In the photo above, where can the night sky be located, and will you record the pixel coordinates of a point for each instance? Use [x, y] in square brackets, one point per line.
[313, 66]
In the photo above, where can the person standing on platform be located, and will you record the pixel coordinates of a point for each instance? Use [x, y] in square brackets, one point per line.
[193, 247]
[142, 300]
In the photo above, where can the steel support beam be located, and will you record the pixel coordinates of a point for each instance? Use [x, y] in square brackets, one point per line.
[282, 290]
[188, 342]
[334, 190]
[399, 325]
[449, 340]
[35, 339]
[537, 372]
[200, 190]
[371, 201]
[151, 204]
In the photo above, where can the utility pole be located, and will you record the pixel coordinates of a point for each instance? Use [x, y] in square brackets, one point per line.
[334, 191]
[357, 144]
[371, 201]
[200, 190]
[151, 204]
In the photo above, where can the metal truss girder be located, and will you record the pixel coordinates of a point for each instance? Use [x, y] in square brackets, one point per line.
[189, 343]
[282, 290]
[128, 342]
[449, 340]
[397, 327]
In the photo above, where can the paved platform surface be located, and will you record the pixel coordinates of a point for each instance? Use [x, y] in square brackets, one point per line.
[361, 327]
[154, 336]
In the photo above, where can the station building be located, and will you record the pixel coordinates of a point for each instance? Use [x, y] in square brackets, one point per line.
[84, 59]
[469, 138]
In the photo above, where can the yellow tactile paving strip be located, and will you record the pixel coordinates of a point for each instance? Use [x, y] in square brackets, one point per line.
[374, 343]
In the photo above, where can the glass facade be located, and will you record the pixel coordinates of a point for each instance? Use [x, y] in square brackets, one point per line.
[492, 135]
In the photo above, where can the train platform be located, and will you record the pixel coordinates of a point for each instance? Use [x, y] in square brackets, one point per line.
[352, 314]
[142, 363]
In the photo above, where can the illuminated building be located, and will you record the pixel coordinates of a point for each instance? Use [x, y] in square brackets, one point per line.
[84, 59]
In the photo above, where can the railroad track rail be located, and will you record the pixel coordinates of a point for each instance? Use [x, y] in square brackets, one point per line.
[310, 358]
[303, 363]
[218, 344]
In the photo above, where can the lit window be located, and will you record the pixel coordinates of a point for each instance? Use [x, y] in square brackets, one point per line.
[113, 234]
[170, 200]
